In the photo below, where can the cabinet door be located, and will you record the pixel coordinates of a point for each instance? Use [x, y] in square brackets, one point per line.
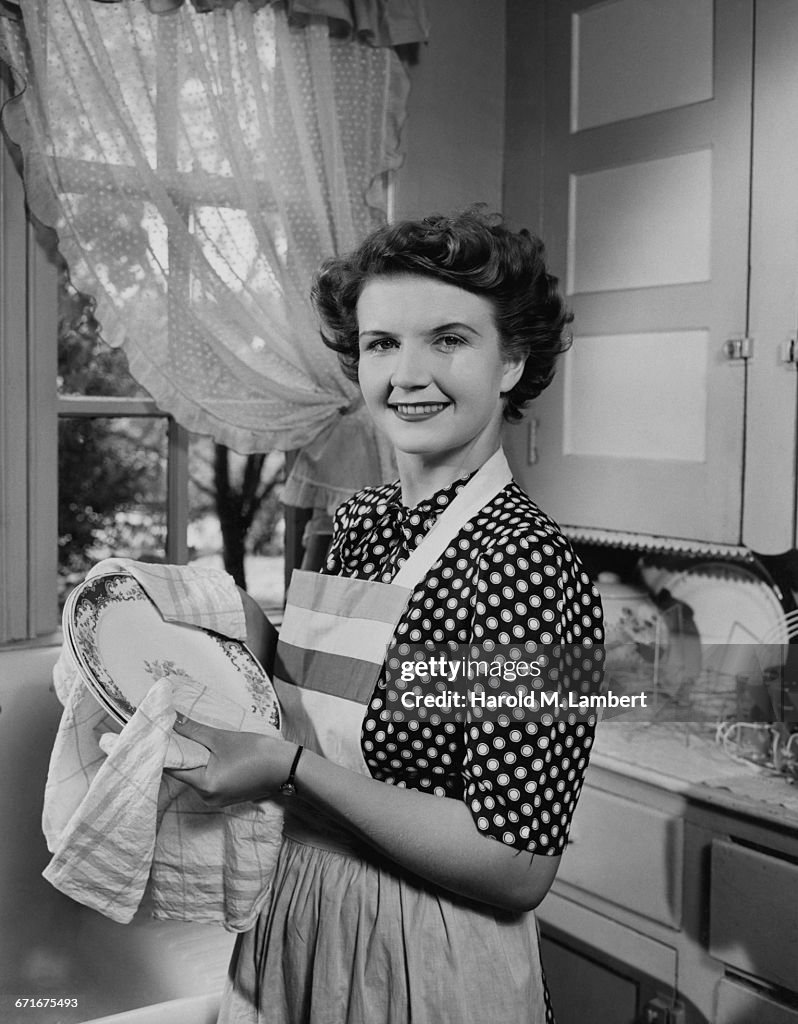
[644, 207]
[587, 986]
[753, 923]
[769, 500]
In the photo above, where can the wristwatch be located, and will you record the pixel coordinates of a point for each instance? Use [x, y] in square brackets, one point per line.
[288, 788]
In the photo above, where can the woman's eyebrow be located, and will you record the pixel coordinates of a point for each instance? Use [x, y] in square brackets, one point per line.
[456, 326]
[376, 332]
[438, 329]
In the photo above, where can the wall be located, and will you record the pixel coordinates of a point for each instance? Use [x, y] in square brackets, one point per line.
[454, 134]
[524, 141]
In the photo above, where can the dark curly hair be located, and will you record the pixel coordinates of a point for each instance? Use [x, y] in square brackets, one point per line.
[474, 251]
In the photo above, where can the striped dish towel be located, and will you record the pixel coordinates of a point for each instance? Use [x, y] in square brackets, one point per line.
[196, 595]
[113, 821]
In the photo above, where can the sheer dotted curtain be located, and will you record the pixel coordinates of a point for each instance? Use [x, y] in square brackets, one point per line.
[197, 167]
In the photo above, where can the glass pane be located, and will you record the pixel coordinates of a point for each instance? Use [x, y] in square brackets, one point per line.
[86, 365]
[236, 518]
[111, 492]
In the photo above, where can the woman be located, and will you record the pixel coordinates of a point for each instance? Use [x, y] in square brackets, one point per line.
[416, 847]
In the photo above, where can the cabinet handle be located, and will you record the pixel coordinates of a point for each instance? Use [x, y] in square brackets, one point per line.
[663, 1010]
[532, 453]
[789, 351]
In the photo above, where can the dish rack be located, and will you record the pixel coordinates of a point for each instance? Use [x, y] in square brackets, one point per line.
[770, 746]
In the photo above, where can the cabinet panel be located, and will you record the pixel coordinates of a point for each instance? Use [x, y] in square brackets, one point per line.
[670, 417]
[645, 224]
[753, 922]
[601, 993]
[628, 854]
[611, 83]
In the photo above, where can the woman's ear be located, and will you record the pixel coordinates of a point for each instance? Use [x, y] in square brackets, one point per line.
[513, 368]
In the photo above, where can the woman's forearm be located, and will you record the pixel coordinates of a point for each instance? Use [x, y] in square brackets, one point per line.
[432, 837]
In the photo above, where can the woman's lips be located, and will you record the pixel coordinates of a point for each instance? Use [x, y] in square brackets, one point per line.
[418, 410]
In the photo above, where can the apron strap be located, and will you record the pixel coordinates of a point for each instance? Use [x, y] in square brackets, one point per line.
[491, 478]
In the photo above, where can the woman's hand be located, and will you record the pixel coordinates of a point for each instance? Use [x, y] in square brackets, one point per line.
[242, 765]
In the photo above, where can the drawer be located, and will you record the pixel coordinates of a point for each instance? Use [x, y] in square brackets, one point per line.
[562, 918]
[740, 1003]
[628, 854]
[753, 913]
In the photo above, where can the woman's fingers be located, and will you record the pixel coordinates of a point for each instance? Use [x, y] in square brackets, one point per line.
[191, 776]
[241, 765]
[202, 734]
[194, 731]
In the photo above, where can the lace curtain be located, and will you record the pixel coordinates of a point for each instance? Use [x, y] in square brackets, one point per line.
[378, 22]
[197, 168]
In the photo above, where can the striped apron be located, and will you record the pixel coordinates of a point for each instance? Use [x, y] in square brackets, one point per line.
[350, 938]
[336, 632]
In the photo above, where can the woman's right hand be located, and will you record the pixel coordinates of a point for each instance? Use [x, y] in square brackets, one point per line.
[242, 765]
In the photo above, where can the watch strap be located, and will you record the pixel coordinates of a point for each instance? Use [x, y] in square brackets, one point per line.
[288, 788]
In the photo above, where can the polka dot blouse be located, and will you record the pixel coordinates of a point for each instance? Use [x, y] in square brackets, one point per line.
[510, 577]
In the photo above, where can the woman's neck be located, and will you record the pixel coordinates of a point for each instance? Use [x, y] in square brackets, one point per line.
[422, 477]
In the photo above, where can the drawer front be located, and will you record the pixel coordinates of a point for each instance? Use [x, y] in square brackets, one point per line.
[561, 918]
[739, 1003]
[628, 854]
[753, 913]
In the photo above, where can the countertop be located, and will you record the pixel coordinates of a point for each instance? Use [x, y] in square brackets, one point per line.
[687, 760]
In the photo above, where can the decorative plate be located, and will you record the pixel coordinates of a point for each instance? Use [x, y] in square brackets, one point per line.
[742, 627]
[730, 604]
[123, 647]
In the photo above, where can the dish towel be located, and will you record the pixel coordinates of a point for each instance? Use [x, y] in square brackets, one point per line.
[113, 821]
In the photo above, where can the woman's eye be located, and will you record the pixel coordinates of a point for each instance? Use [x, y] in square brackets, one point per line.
[449, 341]
[380, 344]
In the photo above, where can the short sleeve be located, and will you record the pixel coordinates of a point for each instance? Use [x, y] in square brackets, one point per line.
[337, 555]
[523, 772]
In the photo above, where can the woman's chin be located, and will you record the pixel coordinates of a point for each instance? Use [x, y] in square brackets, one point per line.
[416, 438]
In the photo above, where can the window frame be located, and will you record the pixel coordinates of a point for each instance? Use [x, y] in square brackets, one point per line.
[28, 451]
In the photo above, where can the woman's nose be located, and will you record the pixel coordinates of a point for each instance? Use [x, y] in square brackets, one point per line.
[411, 368]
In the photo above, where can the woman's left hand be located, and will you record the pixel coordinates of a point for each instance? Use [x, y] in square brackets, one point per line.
[242, 765]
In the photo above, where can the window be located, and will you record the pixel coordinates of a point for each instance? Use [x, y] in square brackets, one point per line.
[132, 481]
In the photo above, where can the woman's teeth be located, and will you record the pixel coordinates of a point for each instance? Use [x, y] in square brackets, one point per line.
[420, 410]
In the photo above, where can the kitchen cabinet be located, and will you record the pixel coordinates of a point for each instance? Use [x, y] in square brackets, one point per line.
[646, 142]
[603, 993]
[678, 891]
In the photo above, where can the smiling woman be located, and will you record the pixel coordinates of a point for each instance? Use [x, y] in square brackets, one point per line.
[474, 252]
[432, 372]
[416, 846]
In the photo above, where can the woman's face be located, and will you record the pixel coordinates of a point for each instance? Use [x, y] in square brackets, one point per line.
[431, 368]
